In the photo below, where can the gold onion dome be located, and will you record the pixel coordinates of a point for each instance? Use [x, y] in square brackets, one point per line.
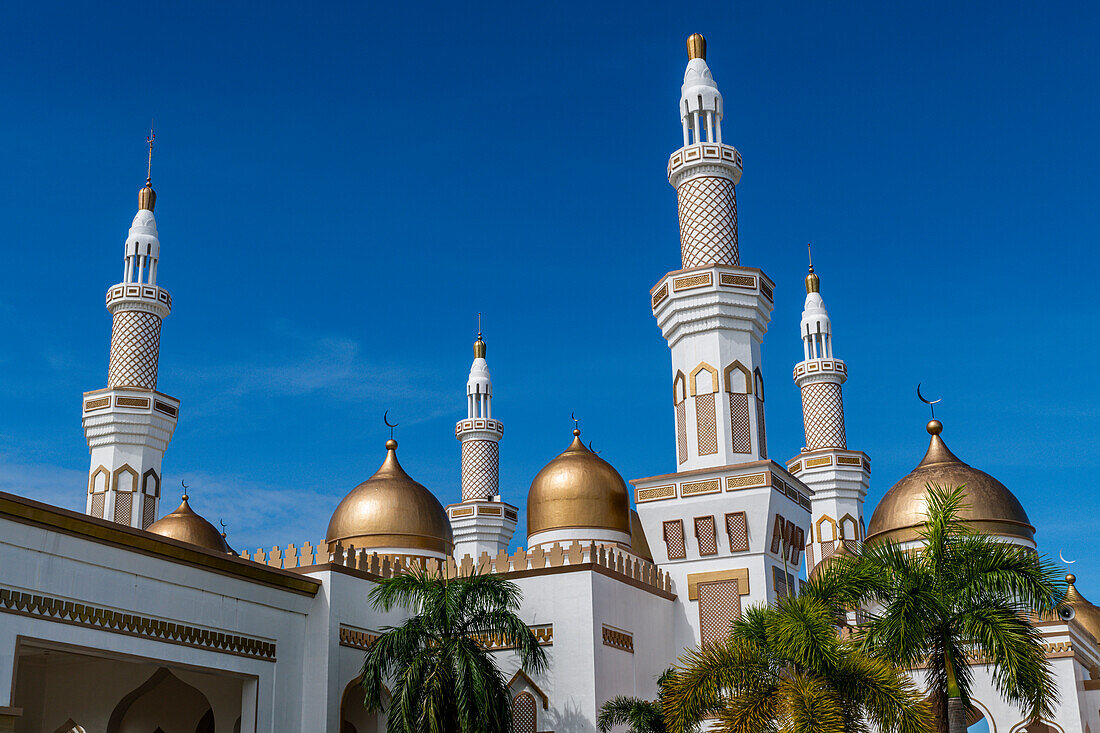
[187, 526]
[479, 347]
[990, 507]
[1084, 612]
[392, 511]
[147, 197]
[578, 489]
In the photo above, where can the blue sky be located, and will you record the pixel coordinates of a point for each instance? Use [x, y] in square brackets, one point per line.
[342, 189]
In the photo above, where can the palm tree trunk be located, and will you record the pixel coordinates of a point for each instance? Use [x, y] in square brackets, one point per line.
[956, 711]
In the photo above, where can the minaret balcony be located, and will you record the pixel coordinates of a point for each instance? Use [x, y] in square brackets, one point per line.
[139, 297]
[479, 428]
[704, 298]
[129, 415]
[830, 368]
[704, 159]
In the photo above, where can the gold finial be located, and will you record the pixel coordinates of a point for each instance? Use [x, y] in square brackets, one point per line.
[147, 197]
[479, 345]
[697, 47]
[1071, 579]
[813, 282]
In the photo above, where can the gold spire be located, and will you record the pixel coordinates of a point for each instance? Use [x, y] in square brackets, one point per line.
[697, 47]
[813, 282]
[479, 345]
[147, 197]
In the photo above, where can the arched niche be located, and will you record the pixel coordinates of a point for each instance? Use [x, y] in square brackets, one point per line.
[354, 718]
[163, 702]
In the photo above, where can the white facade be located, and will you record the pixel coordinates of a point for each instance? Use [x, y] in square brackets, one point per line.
[105, 626]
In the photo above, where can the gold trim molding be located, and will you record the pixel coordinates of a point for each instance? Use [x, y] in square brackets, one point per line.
[116, 622]
[741, 575]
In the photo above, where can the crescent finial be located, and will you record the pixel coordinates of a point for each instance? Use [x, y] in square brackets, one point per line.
[386, 419]
[931, 403]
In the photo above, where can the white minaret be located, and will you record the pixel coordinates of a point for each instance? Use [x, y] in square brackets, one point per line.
[481, 523]
[838, 476]
[729, 525]
[128, 425]
[712, 312]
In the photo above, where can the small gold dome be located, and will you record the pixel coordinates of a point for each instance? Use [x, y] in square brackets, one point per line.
[639, 545]
[990, 507]
[578, 489]
[841, 549]
[147, 197]
[697, 47]
[390, 510]
[479, 348]
[1084, 612]
[187, 526]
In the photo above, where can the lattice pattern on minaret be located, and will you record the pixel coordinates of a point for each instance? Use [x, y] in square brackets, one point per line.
[823, 415]
[739, 423]
[760, 428]
[480, 461]
[706, 424]
[681, 433]
[708, 222]
[135, 350]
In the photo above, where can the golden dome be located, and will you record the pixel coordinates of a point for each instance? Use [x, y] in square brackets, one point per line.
[187, 526]
[1084, 612]
[639, 545]
[697, 47]
[147, 197]
[578, 489]
[991, 508]
[841, 549]
[390, 510]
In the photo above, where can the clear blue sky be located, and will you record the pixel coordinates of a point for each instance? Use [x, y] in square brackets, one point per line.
[343, 188]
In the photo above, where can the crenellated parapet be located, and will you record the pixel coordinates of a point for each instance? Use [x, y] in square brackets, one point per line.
[576, 556]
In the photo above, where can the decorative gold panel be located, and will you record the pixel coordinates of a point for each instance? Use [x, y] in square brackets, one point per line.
[131, 402]
[741, 575]
[815, 462]
[737, 281]
[655, 493]
[97, 404]
[746, 481]
[660, 295]
[691, 281]
[710, 486]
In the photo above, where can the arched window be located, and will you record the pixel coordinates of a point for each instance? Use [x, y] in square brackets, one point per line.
[704, 385]
[524, 713]
[738, 383]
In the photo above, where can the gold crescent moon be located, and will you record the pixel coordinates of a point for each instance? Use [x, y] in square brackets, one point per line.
[921, 397]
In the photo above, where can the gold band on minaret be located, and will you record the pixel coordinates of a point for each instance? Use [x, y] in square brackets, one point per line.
[697, 47]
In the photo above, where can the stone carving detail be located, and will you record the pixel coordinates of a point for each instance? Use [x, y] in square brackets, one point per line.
[480, 459]
[135, 349]
[708, 222]
[823, 416]
[719, 607]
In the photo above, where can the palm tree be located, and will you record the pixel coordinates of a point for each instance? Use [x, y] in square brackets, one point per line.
[641, 716]
[784, 669]
[964, 598]
[443, 678]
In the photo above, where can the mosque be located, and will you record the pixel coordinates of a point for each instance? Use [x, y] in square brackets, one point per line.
[125, 618]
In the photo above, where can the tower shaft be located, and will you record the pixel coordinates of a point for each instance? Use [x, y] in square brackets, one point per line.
[129, 424]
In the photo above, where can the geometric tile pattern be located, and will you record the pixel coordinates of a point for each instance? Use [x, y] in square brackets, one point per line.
[681, 433]
[674, 539]
[823, 416]
[708, 222]
[737, 527]
[135, 349]
[148, 511]
[760, 427]
[523, 713]
[124, 502]
[97, 505]
[719, 607]
[739, 423]
[705, 424]
[480, 462]
[706, 535]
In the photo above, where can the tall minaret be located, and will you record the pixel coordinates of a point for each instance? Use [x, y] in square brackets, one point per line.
[128, 425]
[838, 476]
[713, 312]
[729, 525]
[481, 522]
